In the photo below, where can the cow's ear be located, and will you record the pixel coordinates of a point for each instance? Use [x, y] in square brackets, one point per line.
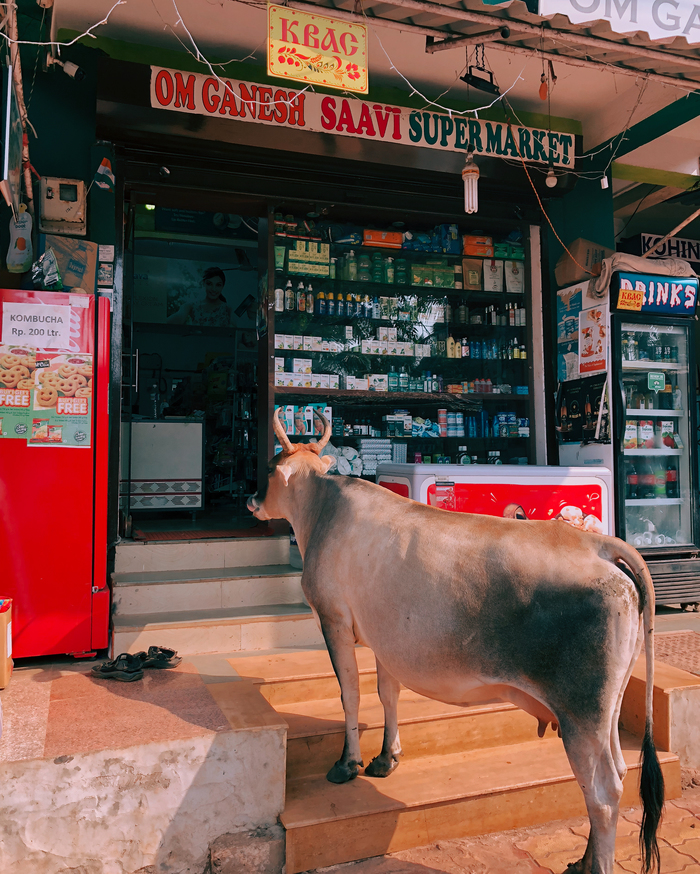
[285, 470]
[328, 461]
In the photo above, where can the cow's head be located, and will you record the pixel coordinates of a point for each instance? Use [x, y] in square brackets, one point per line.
[295, 459]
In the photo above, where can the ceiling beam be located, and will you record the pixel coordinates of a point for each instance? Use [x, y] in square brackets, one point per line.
[646, 131]
[474, 39]
[653, 176]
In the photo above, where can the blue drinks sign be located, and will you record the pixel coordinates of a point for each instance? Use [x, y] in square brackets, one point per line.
[665, 295]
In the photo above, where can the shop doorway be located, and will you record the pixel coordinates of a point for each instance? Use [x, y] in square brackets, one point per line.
[191, 329]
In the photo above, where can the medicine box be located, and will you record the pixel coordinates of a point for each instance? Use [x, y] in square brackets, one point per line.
[378, 382]
[333, 380]
[301, 365]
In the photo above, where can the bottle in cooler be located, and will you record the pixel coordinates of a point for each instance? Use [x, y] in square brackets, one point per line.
[632, 481]
[672, 490]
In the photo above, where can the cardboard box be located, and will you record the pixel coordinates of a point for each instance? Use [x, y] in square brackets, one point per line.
[279, 365]
[366, 347]
[349, 383]
[382, 333]
[477, 245]
[289, 341]
[361, 384]
[77, 261]
[279, 341]
[301, 365]
[324, 380]
[298, 342]
[631, 439]
[333, 380]
[5, 642]
[589, 255]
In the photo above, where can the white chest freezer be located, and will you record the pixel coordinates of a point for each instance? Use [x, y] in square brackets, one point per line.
[581, 496]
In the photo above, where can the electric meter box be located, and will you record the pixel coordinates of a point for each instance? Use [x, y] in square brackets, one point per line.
[62, 206]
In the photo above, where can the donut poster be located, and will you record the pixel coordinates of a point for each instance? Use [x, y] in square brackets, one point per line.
[45, 398]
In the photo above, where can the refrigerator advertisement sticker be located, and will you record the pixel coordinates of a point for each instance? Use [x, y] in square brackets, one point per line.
[45, 401]
[592, 340]
[569, 303]
[41, 325]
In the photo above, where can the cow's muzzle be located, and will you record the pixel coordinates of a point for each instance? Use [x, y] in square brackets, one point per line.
[252, 504]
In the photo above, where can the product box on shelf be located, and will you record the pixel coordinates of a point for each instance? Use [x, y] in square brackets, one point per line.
[298, 342]
[378, 382]
[383, 239]
[366, 347]
[279, 365]
[312, 424]
[349, 383]
[493, 275]
[646, 439]
[361, 384]
[301, 365]
[478, 246]
[630, 439]
[472, 272]
[279, 341]
[333, 380]
[514, 272]
[383, 346]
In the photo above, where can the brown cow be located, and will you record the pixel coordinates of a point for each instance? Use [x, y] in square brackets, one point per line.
[463, 608]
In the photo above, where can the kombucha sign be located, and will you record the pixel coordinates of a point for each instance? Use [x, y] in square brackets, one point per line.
[201, 94]
[316, 49]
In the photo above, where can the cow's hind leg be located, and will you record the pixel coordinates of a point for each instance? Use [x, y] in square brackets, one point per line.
[341, 647]
[593, 763]
[388, 760]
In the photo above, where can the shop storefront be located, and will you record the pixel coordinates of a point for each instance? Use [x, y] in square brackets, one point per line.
[350, 280]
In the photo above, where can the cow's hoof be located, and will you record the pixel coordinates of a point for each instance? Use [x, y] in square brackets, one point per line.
[343, 772]
[381, 766]
[575, 867]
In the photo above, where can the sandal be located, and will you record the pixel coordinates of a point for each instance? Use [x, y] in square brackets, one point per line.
[159, 657]
[125, 667]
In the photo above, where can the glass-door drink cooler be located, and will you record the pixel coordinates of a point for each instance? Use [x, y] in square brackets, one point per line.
[654, 439]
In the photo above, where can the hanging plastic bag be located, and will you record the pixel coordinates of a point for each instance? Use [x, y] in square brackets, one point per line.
[19, 253]
[45, 272]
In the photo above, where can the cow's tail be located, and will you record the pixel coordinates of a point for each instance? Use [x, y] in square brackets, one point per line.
[651, 784]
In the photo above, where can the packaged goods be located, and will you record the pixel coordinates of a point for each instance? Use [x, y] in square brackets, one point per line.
[279, 365]
[378, 382]
[301, 365]
[646, 434]
[493, 275]
[384, 239]
[667, 434]
[477, 245]
[472, 270]
[631, 438]
[515, 276]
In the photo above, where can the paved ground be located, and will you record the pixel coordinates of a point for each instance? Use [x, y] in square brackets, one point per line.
[550, 848]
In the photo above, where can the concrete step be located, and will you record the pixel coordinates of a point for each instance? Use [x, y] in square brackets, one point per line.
[316, 729]
[442, 797]
[205, 589]
[134, 557]
[218, 630]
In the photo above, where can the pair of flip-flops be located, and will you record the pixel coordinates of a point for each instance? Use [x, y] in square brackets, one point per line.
[127, 667]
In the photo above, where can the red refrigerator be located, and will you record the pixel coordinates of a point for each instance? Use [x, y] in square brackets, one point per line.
[54, 381]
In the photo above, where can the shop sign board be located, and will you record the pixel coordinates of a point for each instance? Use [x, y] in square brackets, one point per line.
[676, 247]
[661, 19]
[201, 94]
[316, 49]
[667, 295]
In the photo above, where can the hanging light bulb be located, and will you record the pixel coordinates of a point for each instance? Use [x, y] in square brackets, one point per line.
[470, 176]
[551, 180]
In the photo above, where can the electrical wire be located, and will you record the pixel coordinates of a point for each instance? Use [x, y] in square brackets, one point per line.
[49, 43]
[633, 215]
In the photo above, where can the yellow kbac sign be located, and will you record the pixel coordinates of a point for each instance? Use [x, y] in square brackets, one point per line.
[630, 299]
[317, 49]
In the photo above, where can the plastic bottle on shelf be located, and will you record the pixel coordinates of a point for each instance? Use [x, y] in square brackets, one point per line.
[435, 383]
[367, 307]
[427, 382]
[447, 307]
[389, 271]
[332, 268]
[279, 300]
[310, 299]
[301, 298]
[350, 306]
[321, 304]
[523, 352]
[403, 379]
[340, 306]
[376, 308]
[289, 299]
[393, 379]
[488, 387]
[672, 490]
[466, 350]
[330, 304]
[351, 266]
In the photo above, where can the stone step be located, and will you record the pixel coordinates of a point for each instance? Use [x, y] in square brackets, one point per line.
[316, 729]
[285, 678]
[219, 630]
[205, 589]
[137, 557]
[442, 797]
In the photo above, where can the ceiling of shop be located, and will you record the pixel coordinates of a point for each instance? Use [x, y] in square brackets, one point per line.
[604, 100]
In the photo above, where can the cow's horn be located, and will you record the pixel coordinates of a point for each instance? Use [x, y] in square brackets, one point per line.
[326, 431]
[280, 432]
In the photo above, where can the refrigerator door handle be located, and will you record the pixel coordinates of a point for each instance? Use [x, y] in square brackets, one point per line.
[620, 408]
[136, 375]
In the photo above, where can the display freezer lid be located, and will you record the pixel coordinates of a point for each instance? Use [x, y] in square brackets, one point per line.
[553, 474]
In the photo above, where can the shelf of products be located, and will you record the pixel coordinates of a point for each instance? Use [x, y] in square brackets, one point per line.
[654, 412]
[653, 451]
[419, 336]
[646, 366]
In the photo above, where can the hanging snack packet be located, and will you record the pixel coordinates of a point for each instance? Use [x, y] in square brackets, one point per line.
[45, 272]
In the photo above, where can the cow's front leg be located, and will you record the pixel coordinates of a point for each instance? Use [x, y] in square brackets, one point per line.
[341, 646]
[388, 760]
